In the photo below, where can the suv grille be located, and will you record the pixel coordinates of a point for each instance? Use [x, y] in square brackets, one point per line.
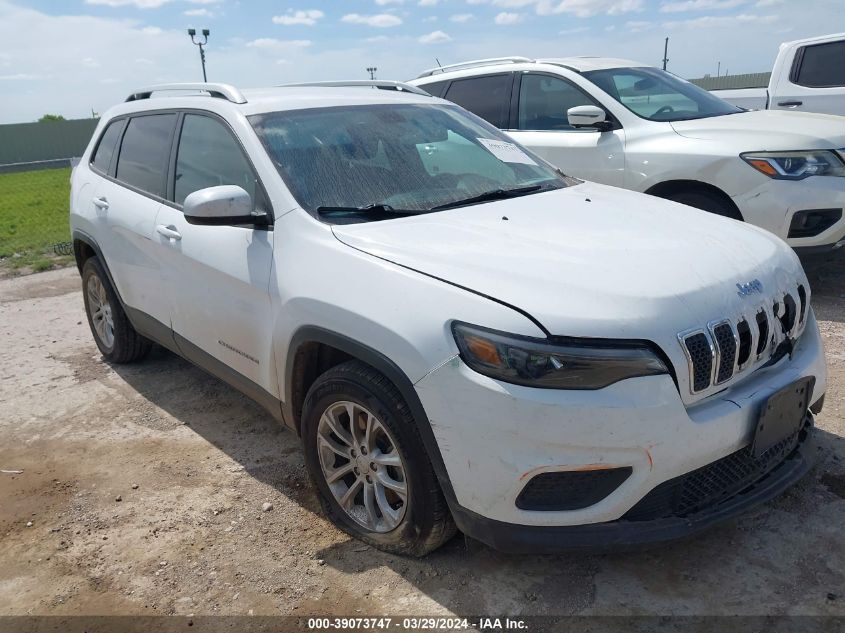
[720, 352]
[711, 484]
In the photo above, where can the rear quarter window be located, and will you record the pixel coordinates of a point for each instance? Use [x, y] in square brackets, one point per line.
[106, 147]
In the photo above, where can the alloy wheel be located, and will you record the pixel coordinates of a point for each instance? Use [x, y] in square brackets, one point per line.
[362, 466]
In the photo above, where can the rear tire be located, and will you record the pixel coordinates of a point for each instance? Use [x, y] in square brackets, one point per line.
[706, 201]
[365, 457]
[114, 335]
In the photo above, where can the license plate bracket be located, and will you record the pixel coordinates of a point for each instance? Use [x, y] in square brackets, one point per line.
[782, 414]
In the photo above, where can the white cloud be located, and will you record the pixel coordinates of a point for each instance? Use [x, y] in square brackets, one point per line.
[272, 43]
[699, 5]
[20, 77]
[638, 26]
[90, 62]
[460, 18]
[383, 3]
[574, 30]
[428, 3]
[380, 20]
[435, 37]
[376, 38]
[721, 21]
[308, 17]
[588, 8]
[504, 18]
[768, 3]
[151, 30]
[431, 18]
[143, 4]
[198, 13]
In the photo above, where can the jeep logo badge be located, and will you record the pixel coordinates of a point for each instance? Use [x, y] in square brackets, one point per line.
[749, 288]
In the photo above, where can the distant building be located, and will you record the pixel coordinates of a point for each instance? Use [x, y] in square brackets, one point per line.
[733, 82]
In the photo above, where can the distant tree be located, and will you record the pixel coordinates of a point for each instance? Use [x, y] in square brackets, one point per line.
[49, 118]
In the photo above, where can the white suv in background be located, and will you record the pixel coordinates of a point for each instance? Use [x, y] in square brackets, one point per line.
[461, 335]
[622, 123]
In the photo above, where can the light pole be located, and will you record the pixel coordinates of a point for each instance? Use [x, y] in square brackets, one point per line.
[372, 70]
[205, 34]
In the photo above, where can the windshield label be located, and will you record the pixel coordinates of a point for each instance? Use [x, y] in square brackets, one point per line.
[506, 152]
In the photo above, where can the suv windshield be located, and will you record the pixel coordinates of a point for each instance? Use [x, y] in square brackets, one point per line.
[376, 161]
[659, 96]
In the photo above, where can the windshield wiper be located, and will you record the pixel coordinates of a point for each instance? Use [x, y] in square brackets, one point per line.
[369, 208]
[494, 194]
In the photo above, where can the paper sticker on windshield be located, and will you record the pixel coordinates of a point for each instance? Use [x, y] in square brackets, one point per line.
[506, 152]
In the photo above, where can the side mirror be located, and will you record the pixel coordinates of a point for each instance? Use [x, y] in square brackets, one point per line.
[227, 204]
[587, 116]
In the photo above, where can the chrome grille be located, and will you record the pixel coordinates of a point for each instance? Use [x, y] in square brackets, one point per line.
[726, 344]
[700, 356]
[726, 348]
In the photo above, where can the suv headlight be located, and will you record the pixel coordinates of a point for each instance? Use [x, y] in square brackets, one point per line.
[796, 165]
[554, 365]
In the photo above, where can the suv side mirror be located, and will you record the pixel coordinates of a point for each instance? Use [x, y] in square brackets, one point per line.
[219, 206]
[588, 116]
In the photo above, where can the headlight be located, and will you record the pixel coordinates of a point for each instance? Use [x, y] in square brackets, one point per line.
[551, 365]
[796, 165]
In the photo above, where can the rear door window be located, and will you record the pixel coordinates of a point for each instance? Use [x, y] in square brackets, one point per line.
[209, 156]
[145, 153]
[821, 66]
[489, 97]
[107, 146]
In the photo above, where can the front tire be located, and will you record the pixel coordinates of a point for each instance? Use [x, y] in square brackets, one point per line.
[706, 201]
[114, 335]
[366, 459]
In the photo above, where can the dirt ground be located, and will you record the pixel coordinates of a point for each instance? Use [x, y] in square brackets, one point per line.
[142, 492]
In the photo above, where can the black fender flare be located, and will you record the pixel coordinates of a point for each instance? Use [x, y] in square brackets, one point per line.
[384, 365]
[81, 236]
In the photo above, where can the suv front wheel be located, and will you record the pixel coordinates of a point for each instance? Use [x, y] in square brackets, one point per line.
[366, 458]
[115, 337]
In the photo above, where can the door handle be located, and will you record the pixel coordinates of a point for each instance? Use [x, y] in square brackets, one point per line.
[790, 104]
[169, 232]
[101, 203]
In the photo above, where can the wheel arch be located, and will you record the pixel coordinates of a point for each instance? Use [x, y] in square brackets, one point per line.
[84, 248]
[304, 364]
[668, 188]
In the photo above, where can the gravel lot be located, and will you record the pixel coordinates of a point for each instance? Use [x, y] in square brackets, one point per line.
[142, 492]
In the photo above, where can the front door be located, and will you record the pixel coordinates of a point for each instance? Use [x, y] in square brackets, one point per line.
[218, 277]
[543, 127]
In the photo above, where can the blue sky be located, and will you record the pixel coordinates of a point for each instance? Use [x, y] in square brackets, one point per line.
[73, 56]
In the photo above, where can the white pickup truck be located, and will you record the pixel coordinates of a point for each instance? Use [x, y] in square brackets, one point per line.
[808, 75]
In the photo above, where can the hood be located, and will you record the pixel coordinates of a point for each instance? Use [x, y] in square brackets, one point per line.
[769, 130]
[591, 260]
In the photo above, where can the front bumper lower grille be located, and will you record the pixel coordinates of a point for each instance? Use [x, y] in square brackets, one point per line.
[708, 486]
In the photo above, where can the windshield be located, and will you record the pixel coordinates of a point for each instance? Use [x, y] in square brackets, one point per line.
[659, 96]
[377, 159]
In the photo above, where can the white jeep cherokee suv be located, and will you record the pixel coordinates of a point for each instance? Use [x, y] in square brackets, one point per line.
[461, 335]
[622, 123]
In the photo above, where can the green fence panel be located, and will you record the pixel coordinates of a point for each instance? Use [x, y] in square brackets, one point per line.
[31, 142]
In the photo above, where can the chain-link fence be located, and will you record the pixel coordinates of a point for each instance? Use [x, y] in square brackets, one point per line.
[34, 199]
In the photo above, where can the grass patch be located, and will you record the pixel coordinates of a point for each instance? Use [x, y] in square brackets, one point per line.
[34, 208]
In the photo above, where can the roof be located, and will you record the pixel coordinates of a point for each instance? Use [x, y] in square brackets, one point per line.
[578, 64]
[222, 97]
[587, 63]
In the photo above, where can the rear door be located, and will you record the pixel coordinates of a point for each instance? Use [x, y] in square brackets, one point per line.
[540, 123]
[218, 277]
[127, 200]
[815, 82]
